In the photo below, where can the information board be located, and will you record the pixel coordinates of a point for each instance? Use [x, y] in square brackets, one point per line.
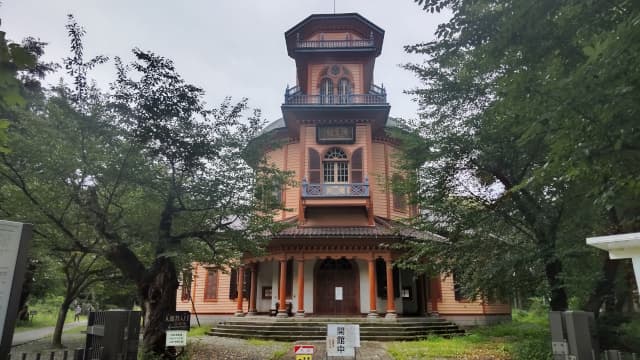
[14, 241]
[342, 339]
[176, 338]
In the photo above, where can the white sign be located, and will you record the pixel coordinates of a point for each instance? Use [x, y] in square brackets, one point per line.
[176, 338]
[342, 339]
[338, 292]
[10, 233]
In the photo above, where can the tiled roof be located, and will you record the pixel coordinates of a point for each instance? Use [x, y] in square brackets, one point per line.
[381, 228]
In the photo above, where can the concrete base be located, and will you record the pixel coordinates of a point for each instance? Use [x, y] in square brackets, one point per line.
[252, 313]
[299, 314]
[282, 314]
[238, 314]
[391, 315]
[476, 320]
[372, 315]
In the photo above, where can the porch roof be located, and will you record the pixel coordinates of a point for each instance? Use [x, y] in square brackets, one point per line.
[382, 229]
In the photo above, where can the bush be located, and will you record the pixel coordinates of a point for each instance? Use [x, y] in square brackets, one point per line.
[619, 331]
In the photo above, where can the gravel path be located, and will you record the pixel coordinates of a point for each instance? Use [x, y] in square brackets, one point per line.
[220, 348]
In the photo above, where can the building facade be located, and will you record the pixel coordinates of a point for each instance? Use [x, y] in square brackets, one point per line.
[335, 257]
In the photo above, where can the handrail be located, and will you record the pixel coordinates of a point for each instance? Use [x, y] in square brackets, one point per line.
[328, 44]
[356, 99]
[335, 190]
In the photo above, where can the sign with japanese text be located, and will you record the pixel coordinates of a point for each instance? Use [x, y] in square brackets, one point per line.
[335, 134]
[176, 338]
[342, 339]
[178, 320]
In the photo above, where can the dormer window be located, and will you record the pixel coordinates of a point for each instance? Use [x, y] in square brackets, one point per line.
[335, 167]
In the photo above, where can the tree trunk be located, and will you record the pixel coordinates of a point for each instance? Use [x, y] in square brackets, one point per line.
[23, 308]
[604, 287]
[158, 293]
[559, 300]
[62, 315]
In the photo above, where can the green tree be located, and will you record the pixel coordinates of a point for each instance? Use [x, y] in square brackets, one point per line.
[530, 120]
[148, 171]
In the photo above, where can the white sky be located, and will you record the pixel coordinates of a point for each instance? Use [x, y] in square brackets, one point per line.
[229, 48]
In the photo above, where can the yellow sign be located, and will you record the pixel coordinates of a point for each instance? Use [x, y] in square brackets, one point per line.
[304, 357]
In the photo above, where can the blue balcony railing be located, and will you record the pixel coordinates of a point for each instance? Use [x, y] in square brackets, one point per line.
[335, 190]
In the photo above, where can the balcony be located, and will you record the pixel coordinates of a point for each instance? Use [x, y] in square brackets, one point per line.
[334, 44]
[376, 96]
[349, 190]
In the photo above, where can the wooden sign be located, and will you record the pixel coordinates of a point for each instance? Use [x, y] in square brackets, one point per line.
[343, 134]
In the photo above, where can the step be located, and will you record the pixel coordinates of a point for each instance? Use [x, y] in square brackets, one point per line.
[316, 329]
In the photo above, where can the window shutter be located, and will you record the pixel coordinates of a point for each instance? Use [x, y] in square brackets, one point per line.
[233, 284]
[399, 198]
[356, 166]
[435, 289]
[314, 167]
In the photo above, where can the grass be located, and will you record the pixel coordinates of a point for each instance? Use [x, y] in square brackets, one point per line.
[46, 316]
[525, 338]
[278, 353]
[198, 331]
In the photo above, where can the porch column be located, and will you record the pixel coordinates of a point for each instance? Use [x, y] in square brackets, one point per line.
[282, 306]
[391, 305]
[373, 313]
[252, 293]
[300, 312]
[239, 311]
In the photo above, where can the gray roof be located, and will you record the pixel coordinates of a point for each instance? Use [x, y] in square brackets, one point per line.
[279, 124]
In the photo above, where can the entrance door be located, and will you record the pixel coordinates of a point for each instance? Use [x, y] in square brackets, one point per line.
[336, 287]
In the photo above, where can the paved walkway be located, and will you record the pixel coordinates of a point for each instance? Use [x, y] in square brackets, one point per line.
[24, 337]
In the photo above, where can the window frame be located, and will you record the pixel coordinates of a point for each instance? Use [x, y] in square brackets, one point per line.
[207, 285]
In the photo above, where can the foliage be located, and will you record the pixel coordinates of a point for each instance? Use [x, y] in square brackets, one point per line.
[47, 312]
[619, 332]
[145, 177]
[525, 338]
[528, 142]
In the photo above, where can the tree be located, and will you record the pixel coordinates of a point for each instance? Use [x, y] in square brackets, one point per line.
[530, 116]
[148, 171]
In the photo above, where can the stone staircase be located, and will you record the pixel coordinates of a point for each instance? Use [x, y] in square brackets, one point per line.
[292, 329]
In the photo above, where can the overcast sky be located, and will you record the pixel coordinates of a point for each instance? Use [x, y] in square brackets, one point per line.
[230, 48]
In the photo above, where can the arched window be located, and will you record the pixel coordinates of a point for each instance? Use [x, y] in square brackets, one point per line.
[335, 167]
[344, 90]
[326, 91]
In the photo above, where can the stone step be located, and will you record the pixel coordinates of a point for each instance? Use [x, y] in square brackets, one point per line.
[316, 329]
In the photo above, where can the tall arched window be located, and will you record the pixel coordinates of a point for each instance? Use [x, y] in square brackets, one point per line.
[344, 90]
[335, 167]
[326, 91]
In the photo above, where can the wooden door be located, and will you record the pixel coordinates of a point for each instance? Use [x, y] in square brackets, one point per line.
[329, 275]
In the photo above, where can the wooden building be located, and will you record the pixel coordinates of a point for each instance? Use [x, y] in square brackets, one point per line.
[335, 257]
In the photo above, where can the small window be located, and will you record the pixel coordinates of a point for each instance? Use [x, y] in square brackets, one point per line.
[344, 90]
[326, 91]
[211, 285]
[457, 286]
[186, 286]
[335, 167]
[399, 197]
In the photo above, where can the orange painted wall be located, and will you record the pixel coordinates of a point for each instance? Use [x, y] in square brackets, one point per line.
[223, 305]
[341, 35]
[314, 77]
[449, 304]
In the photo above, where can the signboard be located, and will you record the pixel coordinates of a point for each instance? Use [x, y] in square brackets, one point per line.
[179, 320]
[338, 292]
[14, 241]
[176, 338]
[342, 340]
[344, 134]
[304, 352]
